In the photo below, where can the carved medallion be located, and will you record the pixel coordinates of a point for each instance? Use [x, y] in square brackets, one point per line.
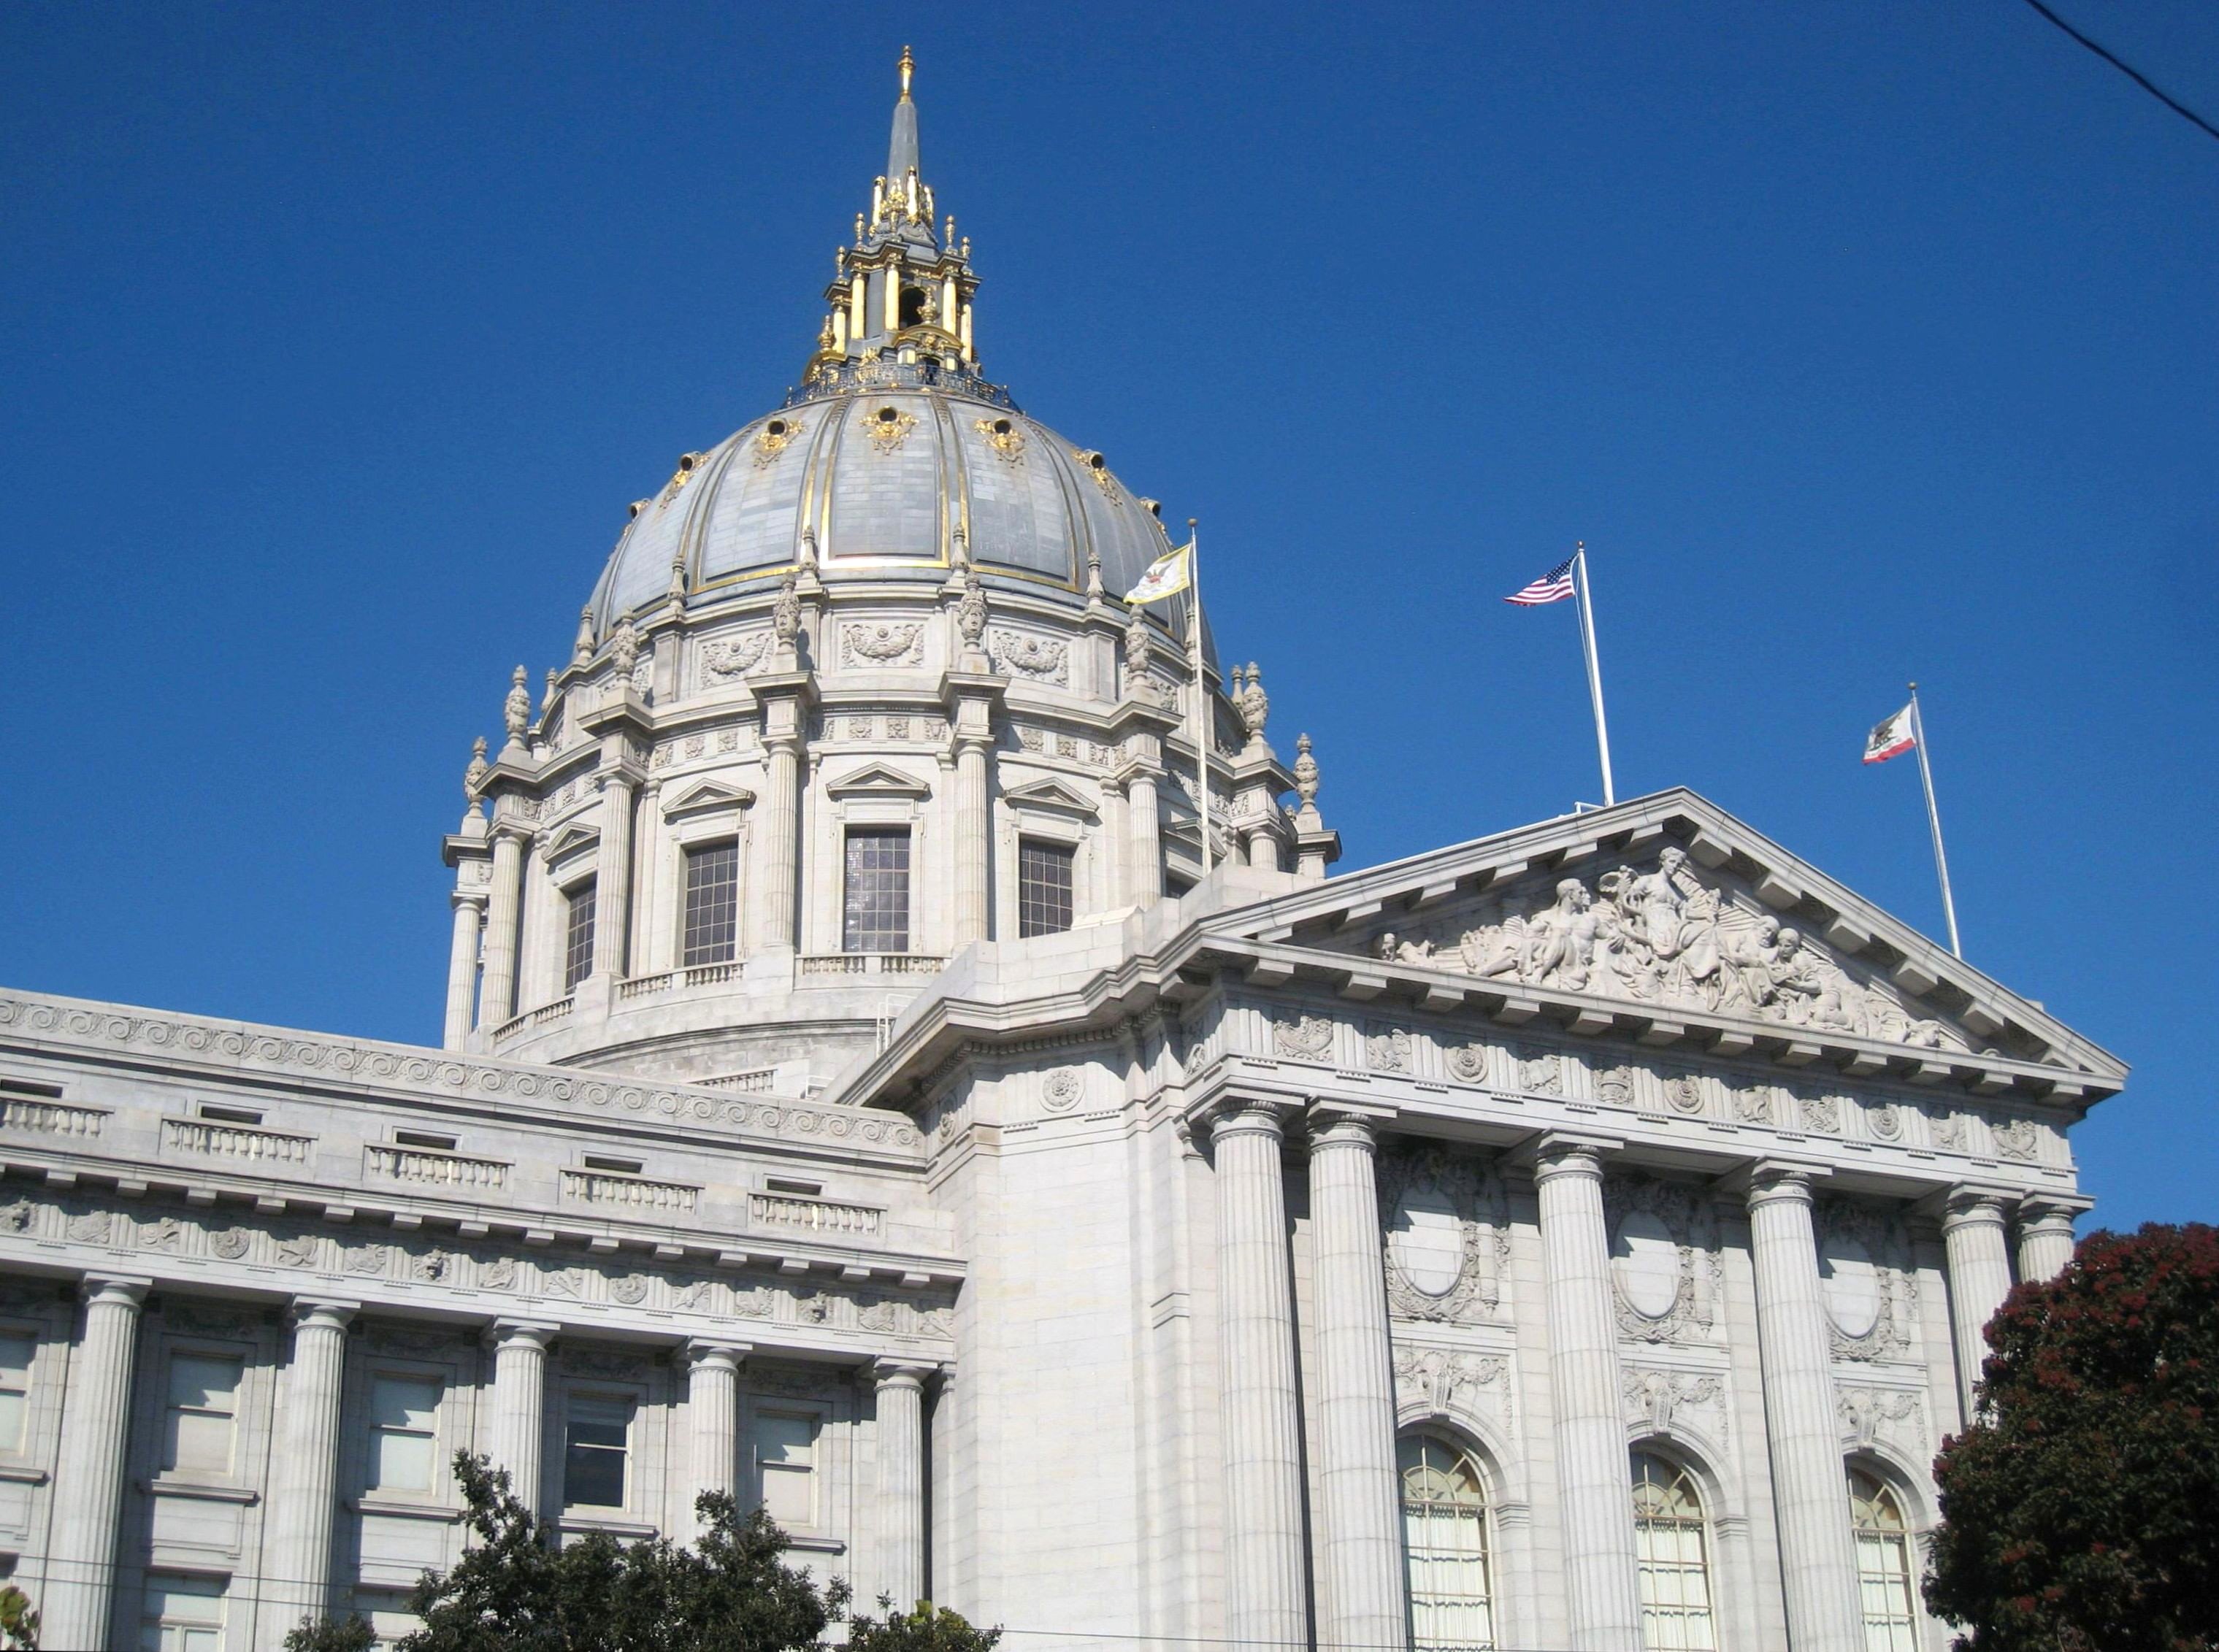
[1447, 1241]
[1062, 1090]
[1666, 1270]
[1469, 1062]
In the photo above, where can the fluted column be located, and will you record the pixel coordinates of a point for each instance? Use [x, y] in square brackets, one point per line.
[2045, 1236]
[306, 1499]
[973, 829]
[712, 1405]
[497, 999]
[1818, 1550]
[1360, 1514]
[519, 1401]
[1978, 1253]
[88, 1489]
[1592, 1472]
[781, 831]
[463, 969]
[901, 1479]
[1145, 877]
[1265, 1582]
[613, 877]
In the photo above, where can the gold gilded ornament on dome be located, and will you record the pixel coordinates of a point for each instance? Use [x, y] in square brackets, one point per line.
[774, 438]
[888, 428]
[1098, 467]
[679, 477]
[1003, 434]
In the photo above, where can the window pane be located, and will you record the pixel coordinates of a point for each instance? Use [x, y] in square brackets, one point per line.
[1044, 876]
[401, 1463]
[593, 1459]
[203, 1400]
[1669, 1543]
[16, 1350]
[712, 904]
[785, 1454]
[404, 1402]
[1445, 1546]
[877, 912]
[578, 943]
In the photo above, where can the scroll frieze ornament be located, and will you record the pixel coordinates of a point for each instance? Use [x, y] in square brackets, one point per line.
[1867, 1414]
[1387, 1049]
[2015, 1138]
[1442, 1380]
[1652, 1396]
[1667, 1274]
[1540, 1071]
[880, 644]
[1447, 1240]
[1303, 1038]
[1662, 935]
[1866, 1280]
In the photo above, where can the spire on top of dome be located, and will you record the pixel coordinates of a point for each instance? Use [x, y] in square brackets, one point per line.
[901, 298]
[901, 153]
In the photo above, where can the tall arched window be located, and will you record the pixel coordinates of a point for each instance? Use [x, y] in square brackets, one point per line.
[1445, 1543]
[1884, 1576]
[1674, 1549]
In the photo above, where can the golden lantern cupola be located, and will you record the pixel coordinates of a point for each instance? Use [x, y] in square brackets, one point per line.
[905, 288]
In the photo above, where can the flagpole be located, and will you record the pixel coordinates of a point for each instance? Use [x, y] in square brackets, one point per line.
[1594, 672]
[1934, 821]
[1202, 708]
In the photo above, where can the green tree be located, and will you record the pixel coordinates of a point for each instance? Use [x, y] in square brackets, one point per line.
[2080, 1511]
[352, 1634]
[19, 1624]
[928, 1629]
[513, 1592]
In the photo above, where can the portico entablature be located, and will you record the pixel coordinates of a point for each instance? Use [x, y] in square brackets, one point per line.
[1705, 1146]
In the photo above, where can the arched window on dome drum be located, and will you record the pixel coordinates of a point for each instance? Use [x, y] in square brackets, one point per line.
[1445, 1547]
[1672, 1540]
[1884, 1576]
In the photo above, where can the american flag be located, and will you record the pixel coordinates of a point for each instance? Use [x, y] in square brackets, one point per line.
[1552, 586]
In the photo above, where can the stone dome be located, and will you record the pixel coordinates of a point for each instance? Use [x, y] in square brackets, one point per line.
[885, 479]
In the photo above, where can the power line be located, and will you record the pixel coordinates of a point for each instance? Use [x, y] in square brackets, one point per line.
[2129, 72]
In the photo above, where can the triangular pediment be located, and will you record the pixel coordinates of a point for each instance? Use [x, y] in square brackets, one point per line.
[878, 780]
[570, 841]
[1051, 795]
[1668, 910]
[710, 797]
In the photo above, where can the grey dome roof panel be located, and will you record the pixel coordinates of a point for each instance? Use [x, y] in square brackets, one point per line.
[885, 506]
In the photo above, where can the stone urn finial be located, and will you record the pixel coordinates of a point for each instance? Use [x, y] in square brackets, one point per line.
[474, 776]
[582, 650]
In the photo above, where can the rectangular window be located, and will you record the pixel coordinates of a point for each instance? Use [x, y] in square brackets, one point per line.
[712, 904]
[16, 1348]
[203, 1417]
[1044, 887]
[424, 1139]
[181, 1614]
[230, 1114]
[877, 918]
[578, 937]
[404, 1433]
[786, 1461]
[599, 1432]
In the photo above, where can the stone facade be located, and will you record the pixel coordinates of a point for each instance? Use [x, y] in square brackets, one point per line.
[1086, 1259]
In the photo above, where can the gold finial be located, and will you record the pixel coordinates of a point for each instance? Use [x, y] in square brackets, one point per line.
[908, 68]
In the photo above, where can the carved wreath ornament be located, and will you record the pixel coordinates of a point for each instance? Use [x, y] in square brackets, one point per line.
[1030, 657]
[735, 657]
[1448, 1243]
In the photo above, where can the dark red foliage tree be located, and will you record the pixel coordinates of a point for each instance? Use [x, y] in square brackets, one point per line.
[2080, 1511]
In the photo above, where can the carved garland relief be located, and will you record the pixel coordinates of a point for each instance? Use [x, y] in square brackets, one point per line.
[1034, 657]
[1444, 1380]
[1447, 1240]
[881, 644]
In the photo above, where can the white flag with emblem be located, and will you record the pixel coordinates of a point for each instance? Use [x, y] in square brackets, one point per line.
[1168, 575]
[1890, 738]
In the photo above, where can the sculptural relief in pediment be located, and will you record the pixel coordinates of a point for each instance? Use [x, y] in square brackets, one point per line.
[1662, 935]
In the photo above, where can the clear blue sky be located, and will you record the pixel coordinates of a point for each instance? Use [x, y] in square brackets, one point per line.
[1859, 342]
